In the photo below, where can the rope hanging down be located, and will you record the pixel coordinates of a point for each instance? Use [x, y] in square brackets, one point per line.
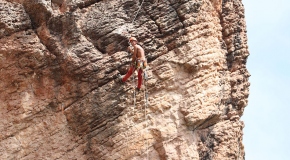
[134, 92]
[145, 90]
[145, 78]
[146, 105]
[138, 11]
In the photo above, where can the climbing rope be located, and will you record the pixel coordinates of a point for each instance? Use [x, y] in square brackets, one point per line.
[146, 104]
[134, 92]
[145, 101]
[145, 90]
[137, 12]
[222, 85]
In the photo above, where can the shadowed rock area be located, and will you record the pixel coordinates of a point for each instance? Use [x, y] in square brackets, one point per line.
[59, 60]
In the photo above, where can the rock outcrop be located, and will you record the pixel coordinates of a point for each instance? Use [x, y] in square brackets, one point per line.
[59, 98]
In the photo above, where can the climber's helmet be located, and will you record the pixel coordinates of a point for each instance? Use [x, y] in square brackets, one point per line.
[132, 39]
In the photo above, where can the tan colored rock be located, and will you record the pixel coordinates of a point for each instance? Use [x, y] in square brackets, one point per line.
[59, 61]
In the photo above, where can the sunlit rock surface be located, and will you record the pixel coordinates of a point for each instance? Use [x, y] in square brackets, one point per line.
[59, 98]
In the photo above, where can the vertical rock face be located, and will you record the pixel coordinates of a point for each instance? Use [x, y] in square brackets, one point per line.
[58, 64]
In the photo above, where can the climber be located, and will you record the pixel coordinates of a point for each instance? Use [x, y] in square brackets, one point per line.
[138, 63]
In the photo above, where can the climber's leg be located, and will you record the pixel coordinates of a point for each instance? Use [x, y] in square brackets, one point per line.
[129, 73]
[139, 79]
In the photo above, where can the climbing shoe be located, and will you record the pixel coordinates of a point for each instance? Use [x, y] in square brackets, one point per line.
[145, 76]
[119, 78]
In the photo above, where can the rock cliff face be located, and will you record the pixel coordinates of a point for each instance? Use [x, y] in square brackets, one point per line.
[58, 64]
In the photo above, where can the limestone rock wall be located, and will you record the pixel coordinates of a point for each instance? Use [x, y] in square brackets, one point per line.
[59, 98]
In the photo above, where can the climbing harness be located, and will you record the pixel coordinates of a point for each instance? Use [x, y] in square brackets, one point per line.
[141, 64]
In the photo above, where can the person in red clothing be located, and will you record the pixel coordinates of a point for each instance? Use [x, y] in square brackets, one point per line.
[138, 62]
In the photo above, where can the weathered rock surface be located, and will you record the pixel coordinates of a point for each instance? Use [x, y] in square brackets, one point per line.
[59, 60]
